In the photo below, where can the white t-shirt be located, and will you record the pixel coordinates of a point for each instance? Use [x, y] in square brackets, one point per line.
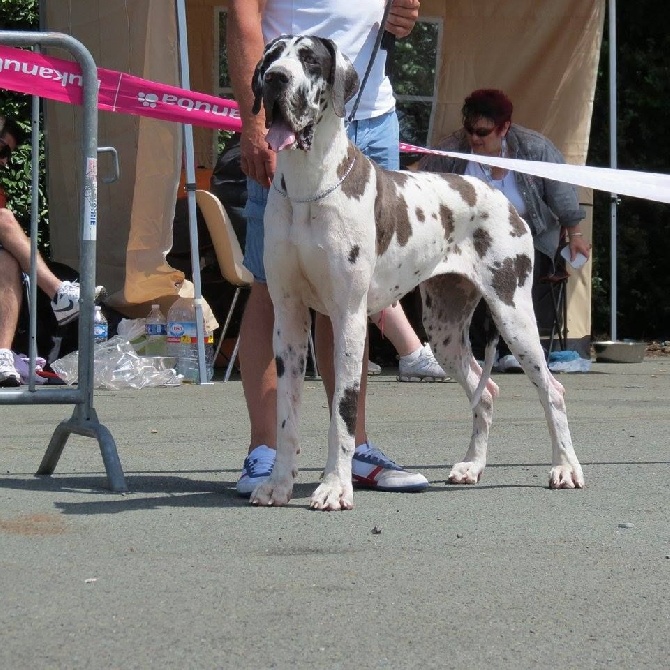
[353, 26]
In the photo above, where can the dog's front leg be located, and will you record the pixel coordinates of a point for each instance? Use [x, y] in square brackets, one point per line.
[292, 322]
[349, 333]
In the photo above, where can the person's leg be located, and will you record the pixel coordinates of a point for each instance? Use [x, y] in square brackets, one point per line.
[64, 295]
[10, 298]
[394, 325]
[10, 305]
[17, 243]
[257, 365]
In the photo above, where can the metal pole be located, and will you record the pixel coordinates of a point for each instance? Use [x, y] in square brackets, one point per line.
[614, 198]
[190, 192]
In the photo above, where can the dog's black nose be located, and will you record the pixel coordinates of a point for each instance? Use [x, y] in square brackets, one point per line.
[276, 77]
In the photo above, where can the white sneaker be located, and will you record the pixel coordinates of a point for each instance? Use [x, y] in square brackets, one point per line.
[66, 303]
[373, 469]
[373, 368]
[421, 366]
[9, 377]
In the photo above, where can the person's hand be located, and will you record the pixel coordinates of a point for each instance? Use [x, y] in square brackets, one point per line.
[578, 245]
[258, 161]
[402, 17]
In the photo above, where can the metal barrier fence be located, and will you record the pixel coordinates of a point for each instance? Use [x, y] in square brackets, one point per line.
[84, 420]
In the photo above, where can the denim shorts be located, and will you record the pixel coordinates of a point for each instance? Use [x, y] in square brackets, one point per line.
[377, 138]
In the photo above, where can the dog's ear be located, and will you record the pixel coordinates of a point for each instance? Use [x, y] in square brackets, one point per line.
[343, 78]
[257, 86]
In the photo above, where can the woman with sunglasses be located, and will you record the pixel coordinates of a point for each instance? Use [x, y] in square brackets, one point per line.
[550, 208]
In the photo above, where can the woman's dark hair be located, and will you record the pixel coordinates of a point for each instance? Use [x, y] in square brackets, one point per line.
[10, 127]
[490, 103]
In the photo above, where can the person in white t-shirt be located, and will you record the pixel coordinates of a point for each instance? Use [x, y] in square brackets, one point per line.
[354, 27]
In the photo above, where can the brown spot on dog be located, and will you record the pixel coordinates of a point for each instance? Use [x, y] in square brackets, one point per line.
[512, 273]
[482, 241]
[359, 176]
[447, 219]
[391, 211]
[463, 187]
[519, 227]
[353, 254]
[282, 183]
[279, 362]
[420, 214]
[349, 408]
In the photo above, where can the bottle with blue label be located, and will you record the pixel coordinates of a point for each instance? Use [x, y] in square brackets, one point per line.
[155, 329]
[100, 328]
[182, 341]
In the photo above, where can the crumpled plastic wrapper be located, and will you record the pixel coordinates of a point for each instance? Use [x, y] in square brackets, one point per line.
[116, 365]
[568, 361]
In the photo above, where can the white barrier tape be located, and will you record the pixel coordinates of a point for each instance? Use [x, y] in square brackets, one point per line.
[647, 185]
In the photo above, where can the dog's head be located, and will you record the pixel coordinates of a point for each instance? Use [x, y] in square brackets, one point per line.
[296, 80]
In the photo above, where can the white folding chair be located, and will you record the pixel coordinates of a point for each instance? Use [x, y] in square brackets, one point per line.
[230, 258]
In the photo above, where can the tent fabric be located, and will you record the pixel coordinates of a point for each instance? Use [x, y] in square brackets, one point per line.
[544, 55]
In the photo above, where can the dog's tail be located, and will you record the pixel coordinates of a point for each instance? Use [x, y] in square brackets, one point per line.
[492, 336]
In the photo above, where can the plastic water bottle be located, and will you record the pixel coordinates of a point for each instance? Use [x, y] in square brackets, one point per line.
[182, 341]
[156, 331]
[100, 329]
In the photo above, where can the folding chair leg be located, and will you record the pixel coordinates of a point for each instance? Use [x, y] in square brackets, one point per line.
[229, 316]
[233, 356]
[312, 353]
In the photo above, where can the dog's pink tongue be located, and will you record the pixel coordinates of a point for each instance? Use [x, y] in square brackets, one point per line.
[280, 136]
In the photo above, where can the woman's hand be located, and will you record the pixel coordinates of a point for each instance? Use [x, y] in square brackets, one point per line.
[577, 243]
[402, 17]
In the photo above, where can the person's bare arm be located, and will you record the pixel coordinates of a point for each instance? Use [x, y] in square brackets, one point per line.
[402, 17]
[245, 48]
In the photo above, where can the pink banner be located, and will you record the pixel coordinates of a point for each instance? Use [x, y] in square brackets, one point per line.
[57, 79]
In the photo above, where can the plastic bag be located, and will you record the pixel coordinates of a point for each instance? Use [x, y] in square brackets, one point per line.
[116, 365]
[568, 361]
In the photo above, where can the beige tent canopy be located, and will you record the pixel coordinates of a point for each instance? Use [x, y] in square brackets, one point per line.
[543, 54]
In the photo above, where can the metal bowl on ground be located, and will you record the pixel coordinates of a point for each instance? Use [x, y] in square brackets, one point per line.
[620, 351]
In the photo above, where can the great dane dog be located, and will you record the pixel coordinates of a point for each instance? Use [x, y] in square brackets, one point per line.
[347, 238]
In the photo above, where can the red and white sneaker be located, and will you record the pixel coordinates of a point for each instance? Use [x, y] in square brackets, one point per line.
[372, 468]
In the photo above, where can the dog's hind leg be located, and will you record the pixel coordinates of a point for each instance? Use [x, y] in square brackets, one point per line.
[449, 301]
[518, 326]
[349, 333]
[292, 322]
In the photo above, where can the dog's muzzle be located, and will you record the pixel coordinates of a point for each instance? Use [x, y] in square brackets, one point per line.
[281, 120]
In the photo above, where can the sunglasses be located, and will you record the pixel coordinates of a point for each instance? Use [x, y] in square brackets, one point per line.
[480, 132]
[5, 150]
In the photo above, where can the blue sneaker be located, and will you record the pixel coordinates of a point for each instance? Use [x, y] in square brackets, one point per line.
[257, 469]
[372, 468]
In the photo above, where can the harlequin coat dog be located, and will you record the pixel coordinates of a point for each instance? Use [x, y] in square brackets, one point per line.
[347, 238]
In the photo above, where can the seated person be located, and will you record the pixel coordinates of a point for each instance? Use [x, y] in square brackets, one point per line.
[15, 260]
[548, 206]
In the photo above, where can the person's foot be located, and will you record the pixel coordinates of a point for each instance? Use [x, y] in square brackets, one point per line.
[372, 468]
[421, 365]
[373, 368]
[66, 301]
[9, 377]
[507, 363]
[256, 470]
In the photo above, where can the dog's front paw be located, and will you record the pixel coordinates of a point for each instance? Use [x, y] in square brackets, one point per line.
[468, 472]
[333, 495]
[273, 492]
[568, 476]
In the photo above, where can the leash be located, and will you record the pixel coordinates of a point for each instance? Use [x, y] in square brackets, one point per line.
[389, 40]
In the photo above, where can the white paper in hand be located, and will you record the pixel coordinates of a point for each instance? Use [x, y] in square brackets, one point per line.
[580, 259]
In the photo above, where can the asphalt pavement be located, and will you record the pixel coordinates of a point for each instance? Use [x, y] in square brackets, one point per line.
[181, 573]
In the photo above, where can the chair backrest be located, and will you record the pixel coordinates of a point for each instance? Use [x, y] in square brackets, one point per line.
[226, 245]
